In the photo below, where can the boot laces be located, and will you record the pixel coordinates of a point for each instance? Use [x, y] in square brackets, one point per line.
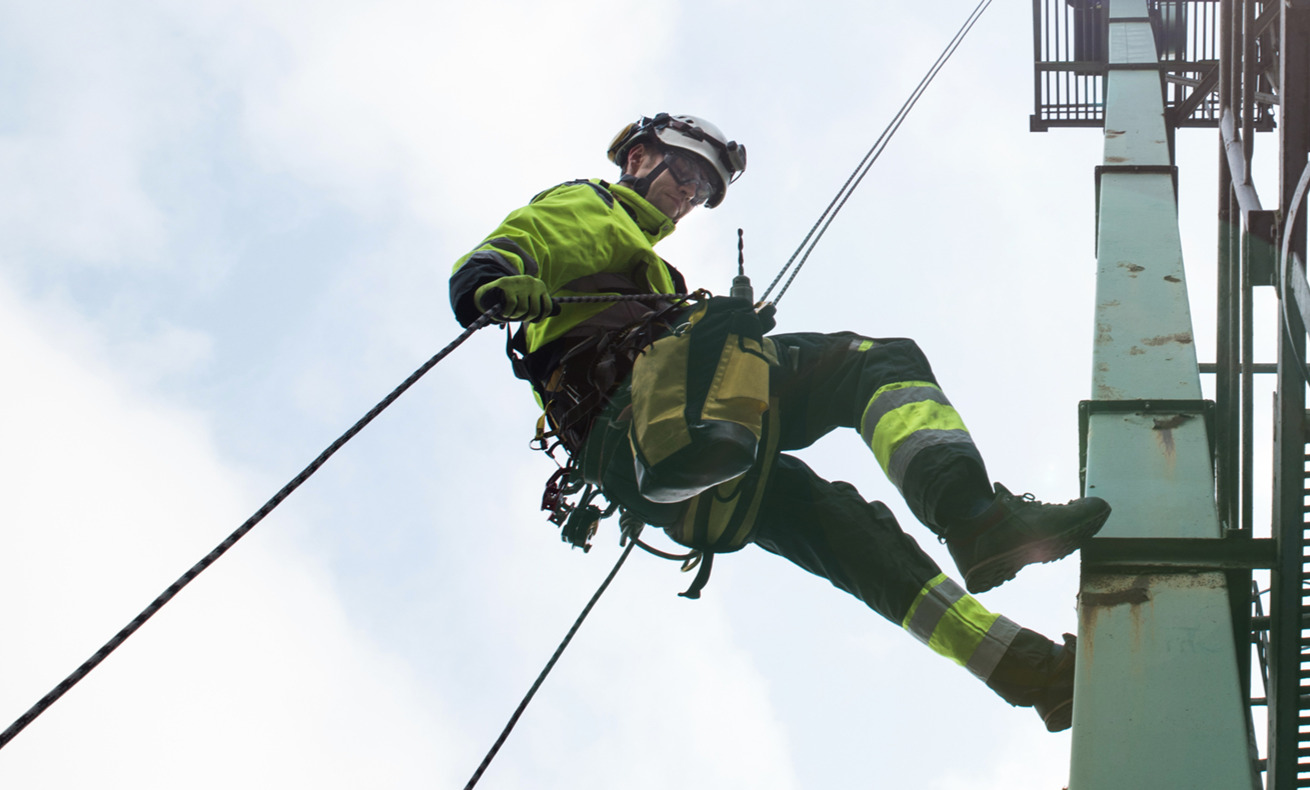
[1025, 498]
[1029, 498]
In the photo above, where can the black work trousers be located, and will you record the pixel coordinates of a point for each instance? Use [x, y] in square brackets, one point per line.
[825, 382]
[828, 381]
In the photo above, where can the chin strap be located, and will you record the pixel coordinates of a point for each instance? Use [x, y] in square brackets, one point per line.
[642, 185]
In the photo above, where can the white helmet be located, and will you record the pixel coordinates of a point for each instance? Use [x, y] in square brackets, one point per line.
[693, 135]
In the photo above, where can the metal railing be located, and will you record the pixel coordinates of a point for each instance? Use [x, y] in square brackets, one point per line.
[1070, 46]
[1262, 247]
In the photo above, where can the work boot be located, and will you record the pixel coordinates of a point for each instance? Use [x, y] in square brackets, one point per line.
[1038, 673]
[1055, 702]
[990, 548]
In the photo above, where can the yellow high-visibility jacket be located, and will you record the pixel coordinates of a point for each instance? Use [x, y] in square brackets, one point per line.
[580, 238]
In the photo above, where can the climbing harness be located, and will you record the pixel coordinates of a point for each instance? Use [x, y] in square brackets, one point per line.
[578, 521]
[585, 382]
[586, 366]
[578, 525]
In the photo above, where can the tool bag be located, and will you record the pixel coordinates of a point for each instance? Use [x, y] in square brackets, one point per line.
[699, 395]
[722, 519]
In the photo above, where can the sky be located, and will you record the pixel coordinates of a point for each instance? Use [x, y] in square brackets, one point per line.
[225, 233]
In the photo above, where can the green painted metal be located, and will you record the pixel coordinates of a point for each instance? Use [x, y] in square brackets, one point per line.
[1158, 698]
[1289, 707]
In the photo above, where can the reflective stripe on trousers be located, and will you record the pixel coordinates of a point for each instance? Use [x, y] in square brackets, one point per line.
[954, 624]
[904, 418]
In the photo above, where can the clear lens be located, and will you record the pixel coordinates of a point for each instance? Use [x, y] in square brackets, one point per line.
[688, 171]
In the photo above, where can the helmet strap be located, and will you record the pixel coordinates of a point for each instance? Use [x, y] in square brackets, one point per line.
[642, 185]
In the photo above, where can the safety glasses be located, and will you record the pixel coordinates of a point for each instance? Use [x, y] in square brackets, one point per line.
[686, 170]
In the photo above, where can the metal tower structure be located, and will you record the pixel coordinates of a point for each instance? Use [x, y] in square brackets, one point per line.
[1167, 693]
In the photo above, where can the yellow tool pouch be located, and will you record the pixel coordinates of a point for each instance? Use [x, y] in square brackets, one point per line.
[722, 519]
[699, 395]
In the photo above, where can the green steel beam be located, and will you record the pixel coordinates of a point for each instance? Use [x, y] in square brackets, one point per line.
[1159, 701]
[1288, 630]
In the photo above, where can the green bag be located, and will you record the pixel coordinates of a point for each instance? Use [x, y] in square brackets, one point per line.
[699, 395]
[723, 518]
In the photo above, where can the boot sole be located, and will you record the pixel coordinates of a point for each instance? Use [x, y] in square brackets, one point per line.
[1060, 718]
[999, 570]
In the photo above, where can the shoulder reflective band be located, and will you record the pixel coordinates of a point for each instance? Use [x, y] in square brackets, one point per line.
[955, 625]
[905, 417]
[512, 247]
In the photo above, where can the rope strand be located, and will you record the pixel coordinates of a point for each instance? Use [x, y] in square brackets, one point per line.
[173, 589]
[495, 747]
[167, 595]
[866, 164]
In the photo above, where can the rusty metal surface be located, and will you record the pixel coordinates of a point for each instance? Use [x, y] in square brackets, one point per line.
[1156, 650]
[1149, 645]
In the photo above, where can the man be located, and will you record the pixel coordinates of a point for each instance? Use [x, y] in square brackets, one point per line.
[610, 374]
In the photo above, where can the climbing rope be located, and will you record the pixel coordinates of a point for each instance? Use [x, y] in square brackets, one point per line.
[802, 252]
[811, 239]
[212, 557]
[173, 589]
[820, 227]
[495, 747]
[631, 531]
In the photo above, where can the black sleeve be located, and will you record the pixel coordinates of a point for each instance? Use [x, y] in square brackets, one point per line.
[679, 282]
[481, 268]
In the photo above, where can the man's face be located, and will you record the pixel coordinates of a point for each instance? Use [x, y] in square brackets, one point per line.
[677, 189]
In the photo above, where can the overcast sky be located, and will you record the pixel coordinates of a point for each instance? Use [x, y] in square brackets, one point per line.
[225, 232]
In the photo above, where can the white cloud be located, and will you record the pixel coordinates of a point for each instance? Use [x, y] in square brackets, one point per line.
[252, 672]
[394, 106]
[331, 159]
[102, 98]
